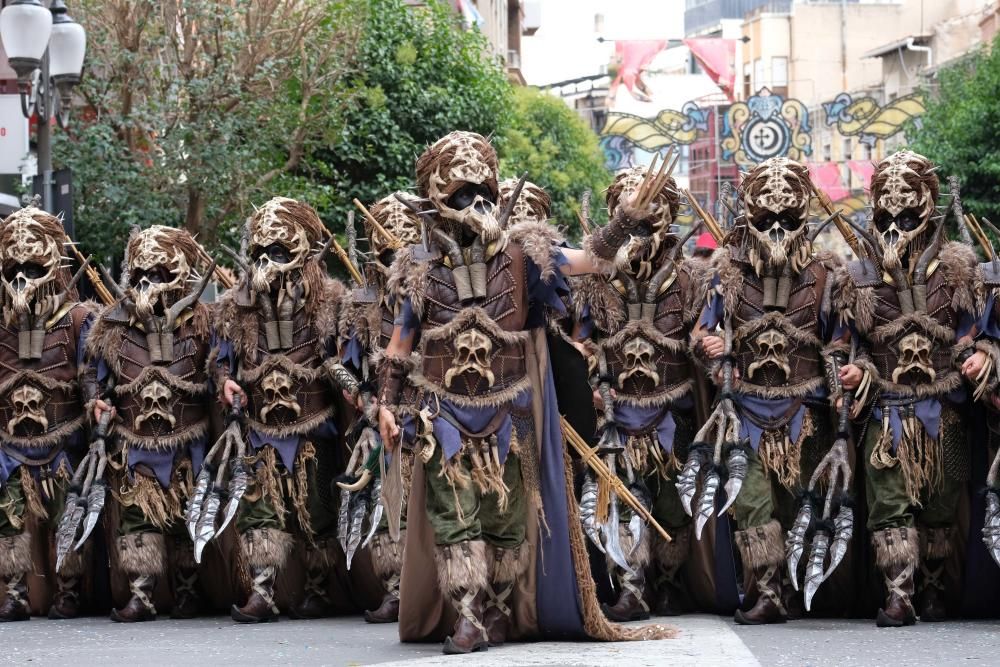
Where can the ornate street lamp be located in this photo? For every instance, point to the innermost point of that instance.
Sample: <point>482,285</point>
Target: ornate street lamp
<point>45,47</point>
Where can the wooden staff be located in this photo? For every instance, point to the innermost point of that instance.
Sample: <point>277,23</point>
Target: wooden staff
<point>710,222</point>
<point>95,278</point>
<point>977,230</point>
<point>220,277</point>
<point>342,255</point>
<point>592,458</point>
<point>842,226</point>
<point>390,239</point>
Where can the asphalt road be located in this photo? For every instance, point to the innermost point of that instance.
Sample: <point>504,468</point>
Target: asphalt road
<point>706,641</point>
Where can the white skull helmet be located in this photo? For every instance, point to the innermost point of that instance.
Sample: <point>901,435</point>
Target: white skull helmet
<point>663,209</point>
<point>158,266</point>
<point>532,205</point>
<point>904,190</point>
<point>31,254</point>
<point>280,238</point>
<point>397,219</point>
<point>458,174</point>
<point>776,196</point>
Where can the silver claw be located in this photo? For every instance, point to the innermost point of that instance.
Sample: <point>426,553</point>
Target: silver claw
<point>612,539</point>
<point>814,569</point>
<point>239,480</point>
<point>588,511</point>
<point>197,500</point>
<point>206,523</point>
<point>377,511</point>
<point>95,503</point>
<point>68,525</point>
<point>737,467</point>
<point>706,502</point>
<point>991,527</point>
<point>358,513</point>
<point>796,541</point>
<point>344,518</point>
<point>687,480</point>
<point>843,525</point>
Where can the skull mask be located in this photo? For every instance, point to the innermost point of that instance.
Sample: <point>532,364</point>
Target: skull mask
<point>458,173</point>
<point>664,208</point>
<point>776,198</point>
<point>158,265</point>
<point>531,206</point>
<point>472,353</point>
<point>31,243</point>
<point>904,189</point>
<point>281,234</point>
<point>395,218</point>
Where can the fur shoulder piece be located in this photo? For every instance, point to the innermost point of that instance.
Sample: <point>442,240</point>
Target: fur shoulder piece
<point>604,304</point>
<point>537,240</point>
<point>326,313</point>
<point>227,316</point>
<point>730,275</point>
<point>361,316</point>
<point>408,278</point>
<point>960,269</point>
<point>697,278</point>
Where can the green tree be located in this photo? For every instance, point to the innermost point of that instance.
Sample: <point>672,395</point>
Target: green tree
<point>959,130</point>
<point>559,151</point>
<point>419,76</point>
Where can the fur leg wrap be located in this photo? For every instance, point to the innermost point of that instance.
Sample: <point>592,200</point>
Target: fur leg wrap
<point>935,543</point>
<point>638,555</point>
<point>142,554</point>
<point>671,555</point>
<point>387,556</point>
<point>75,562</point>
<point>15,555</point>
<point>182,554</point>
<point>323,555</point>
<point>896,546</point>
<point>762,546</point>
<point>461,567</point>
<point>266,547</point>
<point>506,565</point>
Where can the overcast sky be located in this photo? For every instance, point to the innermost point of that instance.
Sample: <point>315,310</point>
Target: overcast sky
<point>566,46</point>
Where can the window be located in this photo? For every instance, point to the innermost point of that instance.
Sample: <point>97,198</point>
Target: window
<point>758,73</point>
<point>827,152</point>
<point>846,149</point>
<point>779,71</point>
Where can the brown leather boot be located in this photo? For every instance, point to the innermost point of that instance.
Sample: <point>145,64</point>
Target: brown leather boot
<point>631,604</point>
<point>496,618</point>
<point>187,601</point>
<point>66,601</point>
<point>469,634</point>
<point>15,606</point>
<point>140,606</point>
<point>315,603</point>
<point>260,607</point>
<point>763,551</point>
<point>769,607</point>
<point>388,610</point>
<point>896,554</point>
<point>795,606</point>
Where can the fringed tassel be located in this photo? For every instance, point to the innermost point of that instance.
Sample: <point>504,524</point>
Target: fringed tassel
<point>300,493</point>
<point>269,481</point>
<point>527,452</point>
<point>161,507</point>
<point>918,456</point>
<point>783,457</point>
<point>32,496</point>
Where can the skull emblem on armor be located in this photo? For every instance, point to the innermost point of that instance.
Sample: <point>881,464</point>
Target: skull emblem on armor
<point>29,405</point>
<point>770,347</point>
<point>914,355</point>
<point>472,353</point>
<point>639,361</point>
<point>277,388</point>
<point>156,400</point>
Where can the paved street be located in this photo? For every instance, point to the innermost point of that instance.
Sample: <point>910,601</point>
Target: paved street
<point>706,641</point>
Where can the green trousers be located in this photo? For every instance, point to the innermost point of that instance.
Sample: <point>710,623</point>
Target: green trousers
<point>462,512</point>
<point>763,498</point>
<point>889,506</point>
<point>14,505</point>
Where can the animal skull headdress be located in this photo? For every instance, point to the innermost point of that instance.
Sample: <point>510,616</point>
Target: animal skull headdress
<point>776,196</point>
<point>664,210</point>
<point>533,205</point>
<point>159,264</point>
<point>395,218</point>
<point>458,174</point>
<point>31,254</point>
<point>281,236</point>
<point>904,190</point>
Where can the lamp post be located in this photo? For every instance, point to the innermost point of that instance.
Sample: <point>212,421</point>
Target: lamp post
<point>45,47</point>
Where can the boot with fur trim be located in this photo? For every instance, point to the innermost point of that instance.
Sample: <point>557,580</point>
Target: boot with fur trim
<point>897,556</point>
<point>935,548</point>
<point>266,550</point>
<point>670,556</point>
<point>506,565</point>
<point>15,563</point>
<point>66,600</point>
<point>462,576</point>
<point>143,558</point>
<point>387,561</point>
<point>631,604</point>
<point>315,602</point>
<point>187,601</point>
<point>763,551</point>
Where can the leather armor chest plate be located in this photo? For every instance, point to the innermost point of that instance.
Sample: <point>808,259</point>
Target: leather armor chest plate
<point>776,349</point>
<point>40,396</point>
<point>914,350</point>
<point>647,358</point>
<point>477,350</point>
<point>287,390</point>
<point>165,402</point>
